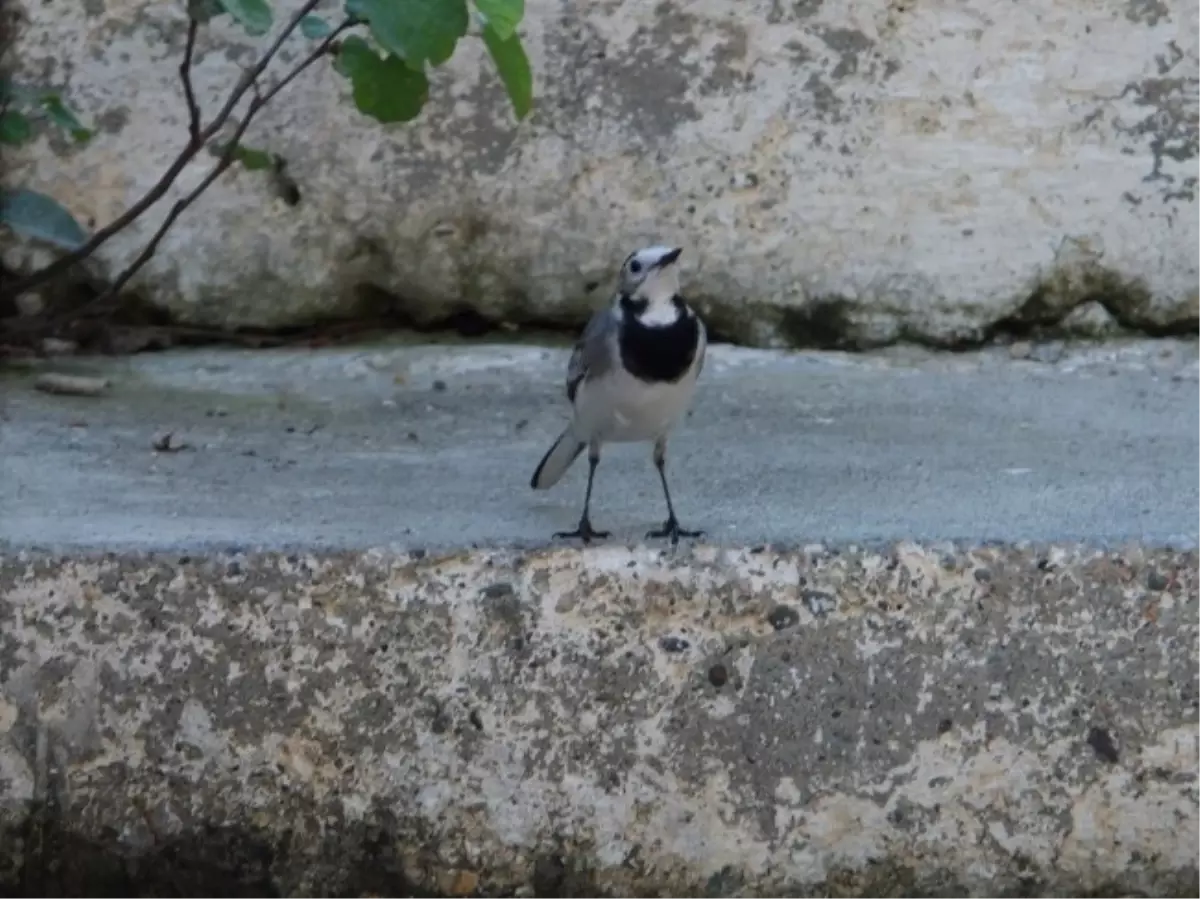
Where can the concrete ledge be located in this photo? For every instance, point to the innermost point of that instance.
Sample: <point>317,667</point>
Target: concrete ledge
<point>918,720</point>
<point>432,446</point>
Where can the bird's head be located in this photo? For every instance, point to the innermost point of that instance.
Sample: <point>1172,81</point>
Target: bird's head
<point>651,274</point>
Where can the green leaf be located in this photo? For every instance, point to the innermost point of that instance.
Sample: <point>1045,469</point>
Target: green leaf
<point>502,15</point>
<point>253,15</point>
<point>253,160</point>
<point>354,9</point>
<point>350,55</point>
<point>513,66</point>
<point>314,28</point>
<point>385,89</point>
<point>64,118</point>
<point>33,214</point>
<point>416,30</point>
<point>203,11</point>
<point>15,128</point>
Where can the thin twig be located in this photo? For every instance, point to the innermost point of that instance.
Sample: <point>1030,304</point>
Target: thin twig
<point>228,156</point>
<point>251,75</point>
<point>177,210</point>
<point>321,49</point>
<point>188,153</point>
<point>185,73</point>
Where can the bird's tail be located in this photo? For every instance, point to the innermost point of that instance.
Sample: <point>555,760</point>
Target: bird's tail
<point>558,459</point>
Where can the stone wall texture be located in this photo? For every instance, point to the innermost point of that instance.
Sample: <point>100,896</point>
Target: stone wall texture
<point>905,721</point>
<point>856,172</point>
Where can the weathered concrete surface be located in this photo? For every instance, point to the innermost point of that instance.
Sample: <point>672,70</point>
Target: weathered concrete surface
<point>829,697</point>
<point>433,446</point>
<point>856,173</point>
<point>920,721</point>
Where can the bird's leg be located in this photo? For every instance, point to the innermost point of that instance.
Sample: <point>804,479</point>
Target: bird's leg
<point>585,531</point>
<point>671,527</point>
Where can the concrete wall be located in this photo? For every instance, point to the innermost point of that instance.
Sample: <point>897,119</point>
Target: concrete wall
<point>839,172</point>
<point>924,720</point>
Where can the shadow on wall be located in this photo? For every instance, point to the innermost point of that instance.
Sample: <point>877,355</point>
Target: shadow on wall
<point>47,857</point>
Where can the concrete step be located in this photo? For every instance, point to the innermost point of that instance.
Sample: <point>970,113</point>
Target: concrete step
<point>942,641</point>
<point>433,447</point>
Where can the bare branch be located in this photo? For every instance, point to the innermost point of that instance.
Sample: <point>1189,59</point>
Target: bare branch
<point>188,153</point>
<point>226,160</point>
<point>185,74</point>
<point>177,210</point>
<point>320,50</point>
<point>253,73</point>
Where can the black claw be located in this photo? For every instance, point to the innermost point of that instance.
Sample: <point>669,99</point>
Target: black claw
<point>672,529</point>
<point>584,532</point>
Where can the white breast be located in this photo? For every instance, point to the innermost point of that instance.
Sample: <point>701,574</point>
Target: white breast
<point>619,408</point>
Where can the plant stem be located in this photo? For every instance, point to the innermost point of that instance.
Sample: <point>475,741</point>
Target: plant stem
<point>185,74</point>
<point>194,145</point>
<point>227,158</point>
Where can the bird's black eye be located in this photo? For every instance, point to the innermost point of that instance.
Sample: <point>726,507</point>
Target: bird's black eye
<point>635,266</point>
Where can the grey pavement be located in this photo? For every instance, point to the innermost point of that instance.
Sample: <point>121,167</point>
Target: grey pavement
<point>403,446</point>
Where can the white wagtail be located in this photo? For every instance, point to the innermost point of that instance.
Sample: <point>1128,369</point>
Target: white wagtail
<point>630,378</point>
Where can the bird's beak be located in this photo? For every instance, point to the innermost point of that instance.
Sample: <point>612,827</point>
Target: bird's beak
<point>669,258</point>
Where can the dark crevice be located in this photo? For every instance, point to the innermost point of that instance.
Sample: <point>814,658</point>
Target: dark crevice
<point>134,325</point>
<point>824,325</point>
<point>1041,317</point>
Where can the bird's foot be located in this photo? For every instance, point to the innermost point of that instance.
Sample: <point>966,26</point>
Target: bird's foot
<point>672,529</point>
<point>584,532</point>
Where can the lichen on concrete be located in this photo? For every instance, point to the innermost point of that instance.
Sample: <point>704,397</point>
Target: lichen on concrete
<point>910,719</point>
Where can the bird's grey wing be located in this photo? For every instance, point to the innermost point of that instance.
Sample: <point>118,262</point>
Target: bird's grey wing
<point>593,352</point>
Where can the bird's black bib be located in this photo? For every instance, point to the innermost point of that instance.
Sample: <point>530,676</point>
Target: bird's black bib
<point>657,354</point>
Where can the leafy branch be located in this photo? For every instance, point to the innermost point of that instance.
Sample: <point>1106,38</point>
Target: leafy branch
<point>193,146</point>
<point>386,70</point>
<point>228,156</point>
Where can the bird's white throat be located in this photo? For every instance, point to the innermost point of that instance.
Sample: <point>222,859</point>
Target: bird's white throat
<point>659,290</point>
<point>660,313</point>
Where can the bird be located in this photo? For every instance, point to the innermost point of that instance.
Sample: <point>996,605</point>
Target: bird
<point>630,378</point>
